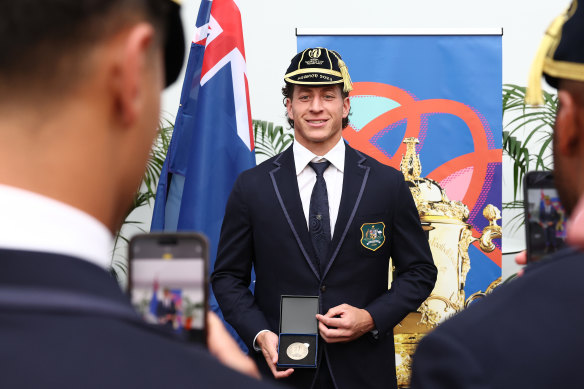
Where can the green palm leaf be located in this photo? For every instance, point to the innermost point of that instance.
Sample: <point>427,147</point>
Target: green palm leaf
<point>535,125</point>
<point>270,140</point>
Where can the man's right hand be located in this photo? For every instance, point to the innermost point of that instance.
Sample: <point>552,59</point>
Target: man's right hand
<point>268,342</point>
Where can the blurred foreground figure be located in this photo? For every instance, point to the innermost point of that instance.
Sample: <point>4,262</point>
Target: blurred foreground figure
<point>80,84</point>
<point>527,333</point>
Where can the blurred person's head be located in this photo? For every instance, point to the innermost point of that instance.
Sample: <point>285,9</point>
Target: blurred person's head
<point>80,84</point>
<point>561,60</point>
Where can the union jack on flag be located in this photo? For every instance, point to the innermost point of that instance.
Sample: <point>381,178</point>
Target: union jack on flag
<point>212,140</point>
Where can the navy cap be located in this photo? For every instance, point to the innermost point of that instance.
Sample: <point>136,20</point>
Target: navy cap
<point>317,67</point>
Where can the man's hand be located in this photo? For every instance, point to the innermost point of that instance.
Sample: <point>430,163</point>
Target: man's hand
<point>574,233</point>
<point>346,323</point>
<point>222,346</point>
<point>268,342</point>
<point>521,258</point>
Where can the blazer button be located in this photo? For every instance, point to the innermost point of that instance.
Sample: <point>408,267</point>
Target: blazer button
<point>323,288</point>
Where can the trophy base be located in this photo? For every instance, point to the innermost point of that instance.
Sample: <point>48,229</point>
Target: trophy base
<point>406,335</point>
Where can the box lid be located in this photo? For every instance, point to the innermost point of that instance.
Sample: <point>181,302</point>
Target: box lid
<point>298,314</point>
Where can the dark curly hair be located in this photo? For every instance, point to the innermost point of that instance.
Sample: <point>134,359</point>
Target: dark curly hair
<point>288,91</point>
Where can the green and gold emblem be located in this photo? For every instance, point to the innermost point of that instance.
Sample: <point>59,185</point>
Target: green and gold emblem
<point>373,235</point>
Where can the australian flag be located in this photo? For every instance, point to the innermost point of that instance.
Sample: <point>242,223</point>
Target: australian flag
<point>212,140</point>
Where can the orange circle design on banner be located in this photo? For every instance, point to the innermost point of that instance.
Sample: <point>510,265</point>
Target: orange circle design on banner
<point>411,110</point>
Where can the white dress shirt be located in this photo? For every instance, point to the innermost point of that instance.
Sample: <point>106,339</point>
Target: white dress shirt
<point>333,176</point>
<point>32,222</point>
<point>306,176</point>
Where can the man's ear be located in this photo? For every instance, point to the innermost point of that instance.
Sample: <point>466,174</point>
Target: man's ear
<point>130,71</point>
<point>289,108</point>
<point>346,107</point>
<point>568,120</point>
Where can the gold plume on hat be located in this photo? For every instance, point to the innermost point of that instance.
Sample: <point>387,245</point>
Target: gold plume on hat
<point>347,84</point>
<point>549,43</point>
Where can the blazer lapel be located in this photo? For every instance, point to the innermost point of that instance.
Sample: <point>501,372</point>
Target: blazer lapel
<point>354,181</point>
<point>286,187</point>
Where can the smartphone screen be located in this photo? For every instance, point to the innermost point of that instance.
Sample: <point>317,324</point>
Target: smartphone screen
<point>545,218</point>
<point>168,282</point>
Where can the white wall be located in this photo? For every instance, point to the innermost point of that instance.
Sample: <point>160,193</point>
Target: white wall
<point>270,42</point>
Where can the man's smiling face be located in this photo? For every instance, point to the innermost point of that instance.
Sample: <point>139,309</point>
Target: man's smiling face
<point>318,113</point>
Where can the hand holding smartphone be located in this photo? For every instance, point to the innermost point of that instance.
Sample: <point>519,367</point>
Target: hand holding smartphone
<point>545,218</point>
<point>168,282</point>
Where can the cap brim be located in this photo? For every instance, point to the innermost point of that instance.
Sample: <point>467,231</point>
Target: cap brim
<point>314,77</point>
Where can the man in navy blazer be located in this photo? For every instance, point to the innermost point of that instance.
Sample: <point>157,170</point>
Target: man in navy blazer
<point>270,224</point>
<point>527,334</point>
<point>80,84</point>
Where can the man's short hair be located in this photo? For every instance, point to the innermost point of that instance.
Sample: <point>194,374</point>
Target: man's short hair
<point>288,91</point>
<point>43,42</point>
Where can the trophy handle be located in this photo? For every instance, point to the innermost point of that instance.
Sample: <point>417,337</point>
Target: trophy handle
<point>492,231</point>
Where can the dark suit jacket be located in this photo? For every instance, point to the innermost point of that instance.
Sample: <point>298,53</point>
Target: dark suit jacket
<point>264,226</point>
<point>527,334</point>
<point>61,348</point>
<point>550,215</point>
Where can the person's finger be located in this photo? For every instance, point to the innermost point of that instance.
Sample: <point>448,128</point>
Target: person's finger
<point>575,226</point>
<point>269,359</point>
<point>273,352</point>
<point>222,346</point>
<point>322,329</point>
<point>331,321</point>
<point>521,258</point>
<point>333,335</point>
<point>282,374</point>
<point>335,311</point>
<point>273,367</point>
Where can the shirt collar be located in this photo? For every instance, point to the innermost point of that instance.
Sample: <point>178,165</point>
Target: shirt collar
<point>302,156</point>
<point>33,222</point>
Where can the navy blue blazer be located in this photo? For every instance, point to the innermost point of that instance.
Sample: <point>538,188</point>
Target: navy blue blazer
<point>265,226</point>
<point>47,347</point>
<point>526,334</point>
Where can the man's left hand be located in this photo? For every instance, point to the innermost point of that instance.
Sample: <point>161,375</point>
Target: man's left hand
<point>344,323</point>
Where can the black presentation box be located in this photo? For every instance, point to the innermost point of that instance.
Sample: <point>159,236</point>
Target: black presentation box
<point>298,344</point>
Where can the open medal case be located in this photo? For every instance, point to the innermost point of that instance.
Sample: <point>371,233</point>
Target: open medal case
<point>298,345</point>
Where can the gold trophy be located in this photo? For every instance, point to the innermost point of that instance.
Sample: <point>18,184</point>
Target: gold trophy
<point>450,237</point>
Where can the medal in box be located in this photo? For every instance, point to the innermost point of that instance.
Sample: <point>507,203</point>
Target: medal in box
<point>298,345</point>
